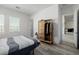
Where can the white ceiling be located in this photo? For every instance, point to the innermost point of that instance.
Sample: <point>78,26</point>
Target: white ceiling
<point>29,9</point>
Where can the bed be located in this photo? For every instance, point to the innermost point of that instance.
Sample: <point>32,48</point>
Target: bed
<point>18,45</point>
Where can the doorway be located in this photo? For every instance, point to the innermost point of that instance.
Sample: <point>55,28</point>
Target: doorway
<point>68,30</point>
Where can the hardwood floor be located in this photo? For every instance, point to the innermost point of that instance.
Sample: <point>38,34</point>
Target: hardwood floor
<point>62,49</point>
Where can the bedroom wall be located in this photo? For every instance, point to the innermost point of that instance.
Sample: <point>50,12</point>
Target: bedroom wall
<point>68,9</point>
<point>25,22</point>
<point>51,12</point>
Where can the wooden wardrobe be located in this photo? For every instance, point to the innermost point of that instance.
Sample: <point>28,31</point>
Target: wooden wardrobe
<point>45,31</point>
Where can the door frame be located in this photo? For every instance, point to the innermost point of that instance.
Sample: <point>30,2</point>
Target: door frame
<point>77,29</point>
<point>63,20</point>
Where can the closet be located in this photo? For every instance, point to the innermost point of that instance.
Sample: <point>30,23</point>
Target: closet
<point>45,31</point>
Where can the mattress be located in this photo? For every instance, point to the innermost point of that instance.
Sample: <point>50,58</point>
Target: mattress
<point>9,45</point>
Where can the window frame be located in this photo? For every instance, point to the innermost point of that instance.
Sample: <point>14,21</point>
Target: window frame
<point>16,26</point>
<point>2,25</point>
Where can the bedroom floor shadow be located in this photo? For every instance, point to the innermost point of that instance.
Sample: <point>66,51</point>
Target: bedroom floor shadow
<point>62,49</point>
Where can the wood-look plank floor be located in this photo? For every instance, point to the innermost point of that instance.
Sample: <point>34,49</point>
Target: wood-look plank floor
<point>62,49</point>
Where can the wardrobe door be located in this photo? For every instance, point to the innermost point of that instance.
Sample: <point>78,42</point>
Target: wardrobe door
<point>41,30</point>
<point>51,32</point>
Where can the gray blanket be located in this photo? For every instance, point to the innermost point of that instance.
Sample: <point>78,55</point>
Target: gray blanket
<point>13,46</point>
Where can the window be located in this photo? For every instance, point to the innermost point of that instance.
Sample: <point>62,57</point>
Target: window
<point>1,23</point>
<point>14,24</point>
